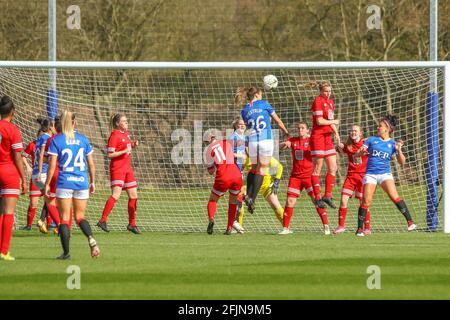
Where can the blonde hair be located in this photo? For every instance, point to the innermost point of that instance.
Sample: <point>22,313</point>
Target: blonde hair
<point>245,92</point>
<point>349,141</point>
<point>235,123</point>
<point>67,124</point>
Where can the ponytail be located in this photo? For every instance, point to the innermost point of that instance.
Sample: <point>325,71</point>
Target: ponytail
<point>45,124</point>
<point>114,121</point>
<point>245,92</point>
<point>67,124</point>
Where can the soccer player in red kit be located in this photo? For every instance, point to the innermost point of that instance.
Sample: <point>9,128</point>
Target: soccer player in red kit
<point>121,172</point>
<point>11,174</point>
<point>355,174</point>
<point>219,158</point>
<point>322,147</point>
<point>302,168</point>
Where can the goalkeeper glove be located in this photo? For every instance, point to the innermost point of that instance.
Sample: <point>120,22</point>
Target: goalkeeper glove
<point>275,186</point>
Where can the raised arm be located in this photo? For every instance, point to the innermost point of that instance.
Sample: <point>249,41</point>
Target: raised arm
<point>400,156</point>
<point>280,123</point>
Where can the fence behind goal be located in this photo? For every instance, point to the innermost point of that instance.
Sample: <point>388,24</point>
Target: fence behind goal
<point>170,109</point>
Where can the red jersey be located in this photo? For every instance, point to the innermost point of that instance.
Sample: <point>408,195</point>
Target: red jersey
<point>118,141</point>
<point>355,164</point>
<point>10,141</point>
<point>47,145</point>
<point>30,150</point>
<point>322,107</point>
<point>220,154</point>
<point>302,166</point>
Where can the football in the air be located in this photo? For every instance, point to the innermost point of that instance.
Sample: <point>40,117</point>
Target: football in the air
<point>270,82</point>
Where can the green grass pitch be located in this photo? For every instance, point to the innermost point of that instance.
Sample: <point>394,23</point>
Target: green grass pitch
<point>250,266</point>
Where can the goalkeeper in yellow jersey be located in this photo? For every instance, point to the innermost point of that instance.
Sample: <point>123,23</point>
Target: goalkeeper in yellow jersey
<point>269,189</point>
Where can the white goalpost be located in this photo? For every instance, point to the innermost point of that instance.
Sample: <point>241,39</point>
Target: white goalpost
<point>171,105</point>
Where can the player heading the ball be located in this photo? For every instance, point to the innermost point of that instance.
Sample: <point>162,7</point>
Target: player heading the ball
<point>256,115</point>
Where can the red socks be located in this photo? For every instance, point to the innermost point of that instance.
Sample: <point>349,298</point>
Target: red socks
<point>212,207</point>
<point>54,213</point>
<point>287,215</point>
<point>367,221</point>
<point>132,207</point>
<point>6,225</point>
<point>231,215</point>
<point>329,183</point>
<point>342,215</point>
<point>30,216</point>
<point>109,205</point>
<point>323,215</point>
<point>315,180</point>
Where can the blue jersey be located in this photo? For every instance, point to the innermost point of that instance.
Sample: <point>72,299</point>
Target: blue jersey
<point>380,154</point>
<point>72,163</point>
<point>238,143</point>
<point>41,141</point>
<point>257,118</point>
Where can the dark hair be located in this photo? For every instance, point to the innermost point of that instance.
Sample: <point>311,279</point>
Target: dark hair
<point>391,121</point>
<point>245,92</point>
<point>57,124</point>
<point>114,120</point>
<point>6,106</point>
<point>45,124</point>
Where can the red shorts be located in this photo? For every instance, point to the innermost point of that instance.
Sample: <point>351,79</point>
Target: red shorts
<point>296,185</point>
<point>34,191</point>
<point>123,179</point>
<point>9,181</point>
<point>322,145</point>
<point>233,185</point>
<point>353,182</point>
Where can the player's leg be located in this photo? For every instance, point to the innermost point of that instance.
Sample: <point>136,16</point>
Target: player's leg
<point>132,208</point>
<point>370,185</point>
<point>80,199</point>
<point>388,186</point>
<point>130,186</point>
<point>293,193</point>
<point>31,212</point>
<point>274,203</point>
<point>64,203</point>
<point>317,143</point>
<point>342,213</point>
<point>264,152</point>
<point>9,202</point>
<point>232,205</point>
<point>330,160</point>
<point>358,182</point>
<point>116,190</point>
<point>288,212</point>
<point>346,193</point>
<point>212,208</point>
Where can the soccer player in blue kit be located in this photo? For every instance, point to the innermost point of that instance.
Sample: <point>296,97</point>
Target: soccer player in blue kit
<point>257,115</point>
<point>380,150</point>
<point>72,153</point>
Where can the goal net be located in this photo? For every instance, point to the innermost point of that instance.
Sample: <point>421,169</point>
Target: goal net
<point>170,109</point>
